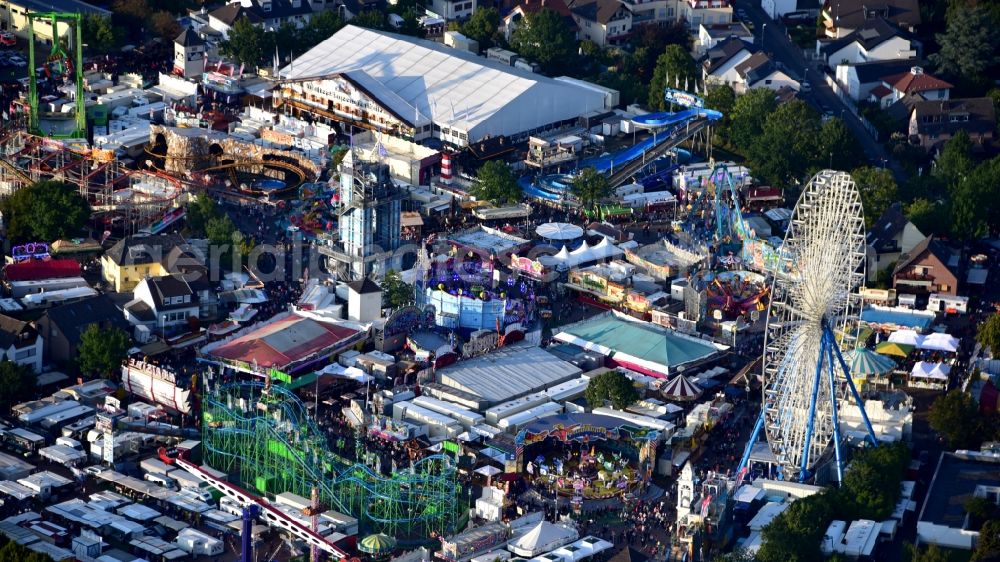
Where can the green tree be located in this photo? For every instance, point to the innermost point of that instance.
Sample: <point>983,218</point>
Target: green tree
<point>98,33</point>
<point>795,535</point>
<point>101,351</point>
<point>372,19</point>
<point>411,24</point>
<point>970,47</point>
<point>955,161</point>
<point>45,211</point>
<point>795,127</point>
<point>838,146</point>
<point>871,486</point>
<point>482,26</point>
<point>165,25</point>
<point>749,114</point>
<point>956,417</point>
<point>131,14</point>
<point>928,217</point>
<point>18,384</point>
<point>878,191</point>
<point>933,553</point>
<point>495,183</point>
<point>545,37</point>
<point>988,334</point>
<point>396,293</point>
<point>246,43</point>
<point>974,205</point>
<point>198,213</point>
<point>590,186</point>
<point>674,67</point>
<point>613,387</point>
<point>988,547</point>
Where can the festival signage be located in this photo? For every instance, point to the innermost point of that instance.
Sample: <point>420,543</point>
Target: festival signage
<point>31,250</point>
<point>526,265</point>
<point>637,302</point>
<point>589,280</point>
<point>683,98</point>
<point>615,292</point>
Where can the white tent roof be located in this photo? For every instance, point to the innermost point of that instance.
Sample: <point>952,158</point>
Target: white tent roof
<point>680,388</point>
<point>543,537</point>
<point>925,370</point>
<point>939,342</point>
<point>424,81</point>
<point>909,337</point>
<point>559,231</point>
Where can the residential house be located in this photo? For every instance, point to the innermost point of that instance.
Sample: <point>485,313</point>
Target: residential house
<point>843,17</point>
<point>930,267</point>
<point>661,12</point>
<point>891,236</point>
<point>20,343</point>
<point>877,40</point>
<point>709,12</point>
<point>759,71</point>
<point>14,17</point>
<point>348,9</point>
<point>858,79</point>
<point>709,36</point>
<point>62,326</point>
<point>268,14</point>
<point>165,303</point>
<point>776,9</point>
<point>913,83</point>
<point>719,66</point>
<point>932,123</point>
<point>522,9</point>
<point>134,258</point>
<point>452,10</point>
<point>604,22</point>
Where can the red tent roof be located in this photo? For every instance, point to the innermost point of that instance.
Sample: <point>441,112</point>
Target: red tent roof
<point>42,269</point>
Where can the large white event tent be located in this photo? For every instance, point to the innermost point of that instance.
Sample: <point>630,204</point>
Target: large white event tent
<point>925,370</point>
<point>939,342</point>
<point>584,254</point>
<point>907,337</point>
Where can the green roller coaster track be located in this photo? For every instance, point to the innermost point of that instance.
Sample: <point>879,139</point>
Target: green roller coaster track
<point>264,438</point>
<point>75,38</point>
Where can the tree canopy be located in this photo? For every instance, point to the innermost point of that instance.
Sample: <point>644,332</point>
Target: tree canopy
<point>482,26</point>
<point>495,183</point>
<point>99,35</point>
<point>674,67</point>
<point>101,351</point>
<point>590,186</point>
<point>749,114</point>
<point>988,334</point>
<point>545,37</point>
<point>970,47</point>
<point>18,384</point>
<point>988,547</point>
<point>198,213</point>
<point>787,146</point>
<point>396,293</point>
<point>613,387</point>
<point>45,211</point>
<point>956,417</point>
<point>245,43</point>
<point>878,191</point>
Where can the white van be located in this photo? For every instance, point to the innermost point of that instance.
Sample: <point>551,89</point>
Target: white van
<point>162,480</point>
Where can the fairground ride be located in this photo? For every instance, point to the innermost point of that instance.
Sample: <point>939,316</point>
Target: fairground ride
<point>262,436</point>
<point>60,65</point>
<point>813,316</point>
<point>122,199</point>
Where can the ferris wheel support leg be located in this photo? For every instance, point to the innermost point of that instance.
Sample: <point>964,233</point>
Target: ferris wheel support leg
<point>836,418</point>
<point>754,435</point>
<point>807,442</point>
<point>854,390</point>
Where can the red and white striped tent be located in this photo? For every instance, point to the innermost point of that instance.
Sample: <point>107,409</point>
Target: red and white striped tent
<point>681,389</point>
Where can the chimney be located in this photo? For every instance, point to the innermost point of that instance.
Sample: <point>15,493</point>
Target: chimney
<point>916,70</point>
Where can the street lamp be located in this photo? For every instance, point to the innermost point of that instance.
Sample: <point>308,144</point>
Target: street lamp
<point>763,32</point>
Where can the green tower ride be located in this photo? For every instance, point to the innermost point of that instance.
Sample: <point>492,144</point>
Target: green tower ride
<point>58,56</point>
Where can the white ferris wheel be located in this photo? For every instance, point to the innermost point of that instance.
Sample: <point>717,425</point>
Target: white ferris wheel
<point>812,317</point>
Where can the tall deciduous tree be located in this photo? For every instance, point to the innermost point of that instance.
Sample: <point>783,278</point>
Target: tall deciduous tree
<point>838,146</point>
<point>482,26</point>
<point>613,387</point>
<point>495,183</point>
<point>101,351</point>
<point>674,67</point>
<point>396,293</point>
<point>98,33</point>
<point>988,334</point>
<point>372,19</point>
<point>749,114</point>
<point>545,37</point>
<point>970,47</point>
<point>988,547</point>
<point>878,191</point>
<point>18,383</point>
<point>974,204</point>
<point>165,25</point>
<point>956,417</point>
<point>45,211</point>
<point>929,217</point>
<point>788,146</point>
<point>246,43</point>
<point>590,186</point>
<point>955,161</point>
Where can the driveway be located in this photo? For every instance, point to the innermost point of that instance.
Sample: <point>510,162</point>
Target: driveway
<point>773,36</point>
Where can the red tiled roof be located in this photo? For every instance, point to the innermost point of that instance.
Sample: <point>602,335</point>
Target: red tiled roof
<point>880,91</point>
<point>908,82</point>
<point>42,269</point>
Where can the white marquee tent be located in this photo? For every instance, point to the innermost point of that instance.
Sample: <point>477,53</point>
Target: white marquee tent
<point>939,342</point>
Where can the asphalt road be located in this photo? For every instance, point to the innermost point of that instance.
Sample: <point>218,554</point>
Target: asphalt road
<point>772,35</point>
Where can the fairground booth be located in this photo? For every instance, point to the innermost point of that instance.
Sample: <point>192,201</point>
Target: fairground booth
<point>587,456</point>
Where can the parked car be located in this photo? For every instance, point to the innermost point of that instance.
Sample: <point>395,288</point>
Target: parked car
<point>8,39</point>
<point>805,86</point>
